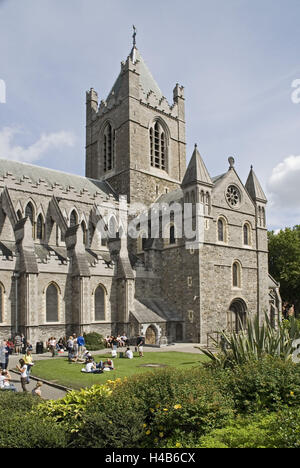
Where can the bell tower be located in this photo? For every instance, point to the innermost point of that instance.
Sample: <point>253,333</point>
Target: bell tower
<point>135,139</point>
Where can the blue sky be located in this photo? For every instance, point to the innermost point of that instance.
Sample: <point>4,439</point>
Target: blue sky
<point>236,58</point>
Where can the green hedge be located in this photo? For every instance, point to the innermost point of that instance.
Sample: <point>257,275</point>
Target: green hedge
<point>267,384</point>
<point>94,341</point>
<point>146,410</point>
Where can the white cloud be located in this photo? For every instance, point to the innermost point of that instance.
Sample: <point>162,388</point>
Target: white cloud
<point>33,152</point>
<point>284,182</point>
<point>284,193</point>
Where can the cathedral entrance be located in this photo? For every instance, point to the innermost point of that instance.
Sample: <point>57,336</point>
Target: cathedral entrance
<point>179,332</point>
<point>151,336</point>
<point>236,316</point>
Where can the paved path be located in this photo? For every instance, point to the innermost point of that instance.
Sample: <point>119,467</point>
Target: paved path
<point>53,393</point>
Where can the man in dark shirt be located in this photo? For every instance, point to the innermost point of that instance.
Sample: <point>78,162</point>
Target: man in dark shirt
<point>140,344</point>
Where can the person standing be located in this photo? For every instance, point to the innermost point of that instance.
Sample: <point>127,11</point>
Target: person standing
<point>18,343</point>
<point>27,358</point>
<point>70,348</point>
<point>22,368</point>
<point>3,352</point>
<point>81,344</point>
<point>140,345</point>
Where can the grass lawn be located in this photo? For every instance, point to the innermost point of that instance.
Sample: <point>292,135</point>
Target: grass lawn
<point>69,374</point>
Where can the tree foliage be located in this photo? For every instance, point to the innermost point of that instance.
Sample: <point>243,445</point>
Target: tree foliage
<point>284,262</point>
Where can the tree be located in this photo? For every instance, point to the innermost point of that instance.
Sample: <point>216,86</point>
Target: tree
<point>284,263</point>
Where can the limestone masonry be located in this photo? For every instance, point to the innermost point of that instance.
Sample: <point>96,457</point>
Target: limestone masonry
<point>60,274</point>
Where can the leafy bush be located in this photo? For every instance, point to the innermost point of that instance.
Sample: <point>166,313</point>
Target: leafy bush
<point>69,411</point>
<point>94,341</point>
<point>17,402</point>
<point>276,430</point>
<point>23,429</point>
<point>29,431</point>
<point>146,410</point>
<point>258,385</point>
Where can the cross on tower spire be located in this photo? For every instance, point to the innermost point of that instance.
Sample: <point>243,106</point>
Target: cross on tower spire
<point>134,35</point>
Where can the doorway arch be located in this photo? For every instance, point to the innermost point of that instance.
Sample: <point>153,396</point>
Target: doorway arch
<point>237,316</point>
<point>151,335</point>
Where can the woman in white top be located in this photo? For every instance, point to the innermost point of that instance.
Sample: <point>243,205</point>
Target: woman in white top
<point>5,384</point>
<point>90,367</point>
<point>22,368</point>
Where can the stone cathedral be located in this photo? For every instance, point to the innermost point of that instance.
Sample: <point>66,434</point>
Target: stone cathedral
<point>59,274</point>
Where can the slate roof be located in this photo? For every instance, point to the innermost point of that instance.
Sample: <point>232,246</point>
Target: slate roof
<point>147,81</point>
<point>254,188</point>
<point>53,177</point>
<point>154,310</point>
<point>196,171</point>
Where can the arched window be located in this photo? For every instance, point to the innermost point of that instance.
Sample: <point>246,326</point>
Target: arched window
<point>246,234</point>
<point>141,242</point>
<point>108,148</point>
<point>172,235</point>
<point>100,305</point>
<point>73,219</point>
<point>221,230</point>
<point>1,303</point>
<point>158,146</point>
<point>84,232</point>
<point>19,214</point>
<point>40,227</point>
<point>236,275</point>
<point>52,303</point>
<point>29,213</point>
<point>263,217</point>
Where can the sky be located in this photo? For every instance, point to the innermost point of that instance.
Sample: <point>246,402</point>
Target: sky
<point>239,61</point>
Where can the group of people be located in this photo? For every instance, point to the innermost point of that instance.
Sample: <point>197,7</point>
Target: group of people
<point>24,367</point>
<point>75,345</point>
<point>115,342</point>
<point>91,367</point>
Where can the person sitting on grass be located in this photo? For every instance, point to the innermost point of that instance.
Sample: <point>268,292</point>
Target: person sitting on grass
<point>91,368</point>
<point>5,379</point>
<point>129,354</point>
<point>108,365</point>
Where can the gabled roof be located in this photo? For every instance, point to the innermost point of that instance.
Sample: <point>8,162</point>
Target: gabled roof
<point>254,188</point>
<point>147,82</point>
<point>196,171</point>
<point>52,177</point>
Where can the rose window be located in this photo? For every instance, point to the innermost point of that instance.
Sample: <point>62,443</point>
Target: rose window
<point>233,196</point>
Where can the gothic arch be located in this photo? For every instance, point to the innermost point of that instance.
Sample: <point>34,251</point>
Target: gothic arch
<point>73,217</point>
<point>236,274</point>
<point>2,303</point>
<point>52,302</point>
<point>159,138</point>
<point>237,315</point>
<point>222,229</point>
<point>106,148</point>
<point>100,303</point>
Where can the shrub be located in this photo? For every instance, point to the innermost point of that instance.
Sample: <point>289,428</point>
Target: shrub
<point>276,430</point>
<point>257,385</point>
<point>147,410</point>
<point>29,431</point>
<point>256,341</point>
<point>69,411</point>
<point>17,402</point>
<point>94,341</point>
